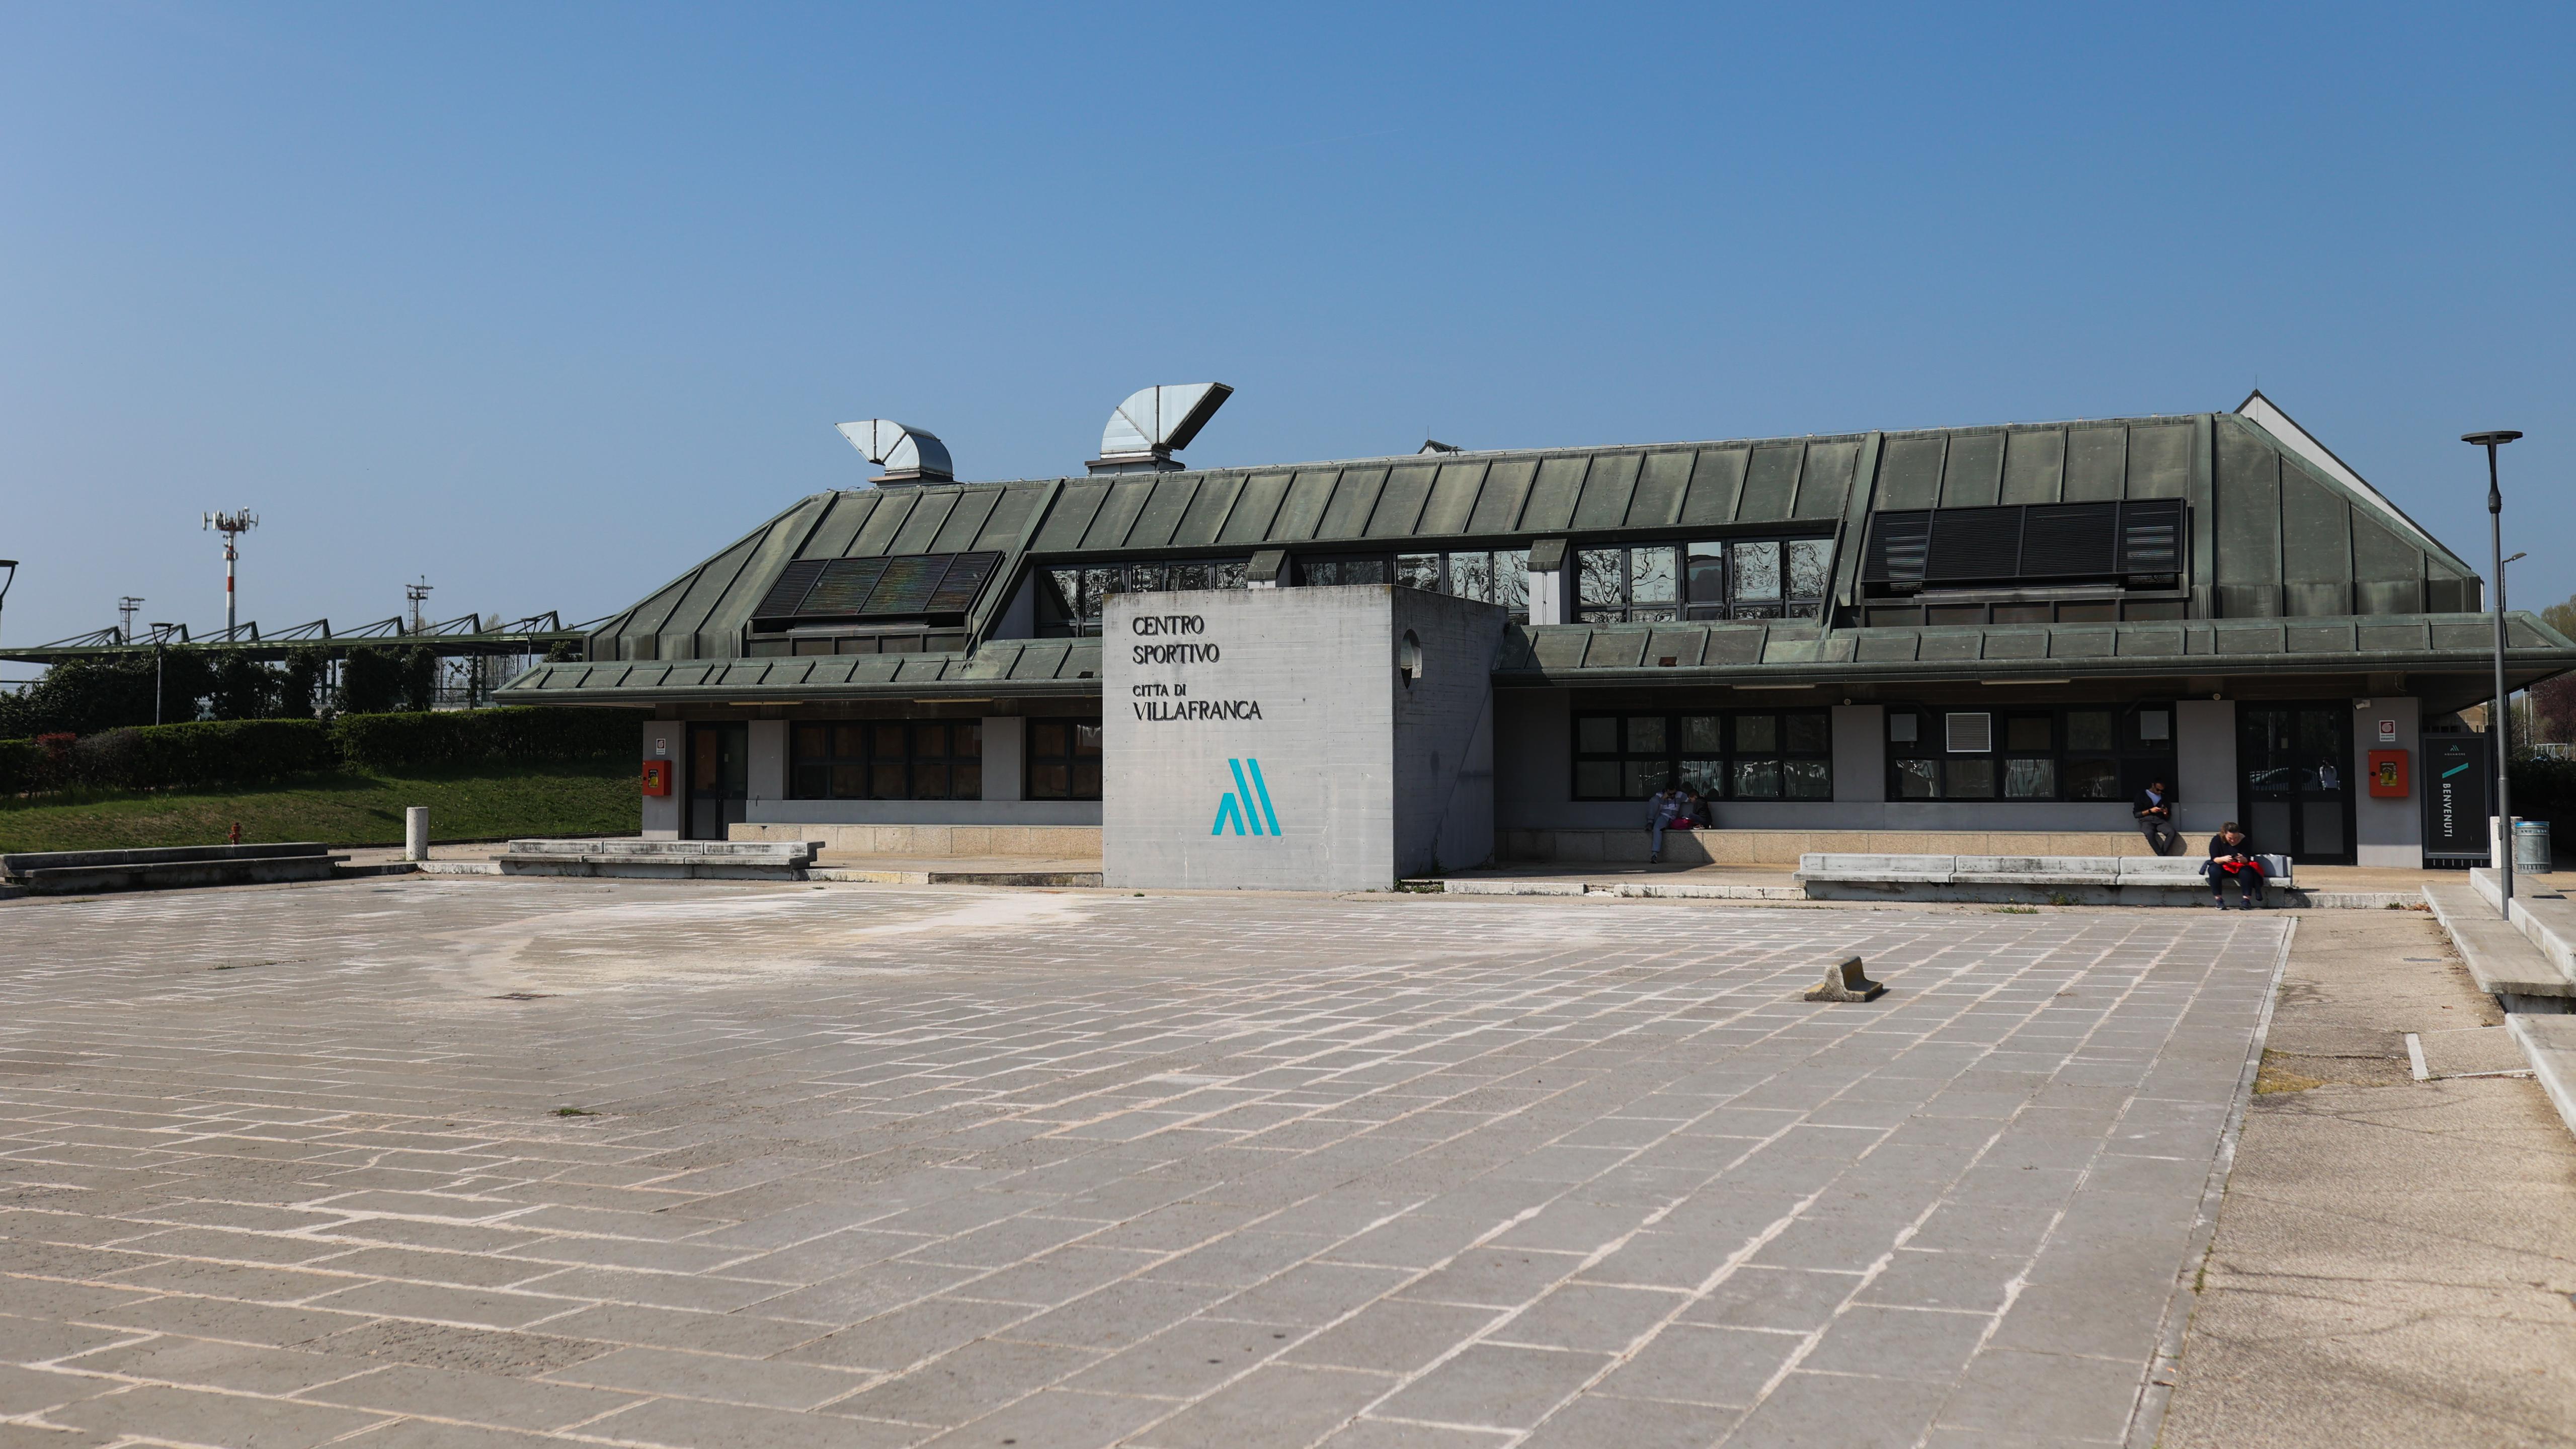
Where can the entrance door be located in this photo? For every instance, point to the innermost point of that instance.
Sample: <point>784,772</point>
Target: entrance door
<point>719,778</point>
<point>2296,796</point>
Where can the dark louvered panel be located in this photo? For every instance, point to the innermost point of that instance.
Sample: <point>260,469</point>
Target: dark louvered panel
<point>1897,542</point>
<point>844,588</point>
<point>789,592</point>
<point>1974,544</point>
<point>963,581</point>
<point>906,584</point>
<point>2069,540</point>
<point>2151,536</point>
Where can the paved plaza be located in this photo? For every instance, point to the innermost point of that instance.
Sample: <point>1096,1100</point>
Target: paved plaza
<point>507,1162</point>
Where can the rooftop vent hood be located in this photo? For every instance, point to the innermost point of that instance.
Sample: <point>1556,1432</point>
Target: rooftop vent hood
<point>1158,421</point>
<point>909,454</point>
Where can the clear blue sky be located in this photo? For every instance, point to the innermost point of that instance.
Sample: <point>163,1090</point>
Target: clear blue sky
<point>547,302</point>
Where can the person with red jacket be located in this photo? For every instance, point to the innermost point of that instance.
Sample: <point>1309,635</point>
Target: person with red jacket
<point>2231,857</point>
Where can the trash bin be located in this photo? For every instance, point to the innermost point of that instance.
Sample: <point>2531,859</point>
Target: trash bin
<point>2531,847</point>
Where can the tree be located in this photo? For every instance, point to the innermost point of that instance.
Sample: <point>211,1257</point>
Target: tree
<point>2561,617</point>
<point>299,683</point>
<point>420,678</point>
<point>371,681</point>
<point>244,688</point>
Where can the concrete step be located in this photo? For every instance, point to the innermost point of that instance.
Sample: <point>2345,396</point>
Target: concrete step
<point>2549,1044</point>
<point>2505,964</point>
<point>2541,912</point>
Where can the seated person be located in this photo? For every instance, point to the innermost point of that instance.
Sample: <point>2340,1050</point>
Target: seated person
<point>2231,857</point>
<point>2154,811</point>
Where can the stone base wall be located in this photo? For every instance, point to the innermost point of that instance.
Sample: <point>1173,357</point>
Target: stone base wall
<point>938,842</point>
<point>1783,847</point>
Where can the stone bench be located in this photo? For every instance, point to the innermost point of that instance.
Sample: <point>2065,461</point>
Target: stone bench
<point>64,872</point>
<point>2094,880</point>
<point>662,859</point>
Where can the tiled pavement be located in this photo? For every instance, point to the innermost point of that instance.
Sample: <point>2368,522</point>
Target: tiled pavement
<point>885,1167</point>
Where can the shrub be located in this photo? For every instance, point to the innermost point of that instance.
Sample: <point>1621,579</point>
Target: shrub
<point>460,737</point>
<point>23,767</point>
<point>2544,787</point>
<point>209,752</point>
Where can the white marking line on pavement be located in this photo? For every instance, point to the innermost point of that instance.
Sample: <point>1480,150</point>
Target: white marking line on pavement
<point>2415,1058</point>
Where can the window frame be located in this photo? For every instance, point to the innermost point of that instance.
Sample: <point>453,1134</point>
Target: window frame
<point>1731,603</point>
<point>1081,613</point>
<point>865,764</point>
<point>1074,760</point>
<point>1953,775</point>
<point>1701,757</point>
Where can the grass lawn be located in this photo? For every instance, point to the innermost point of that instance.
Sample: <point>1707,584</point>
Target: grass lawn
<point>567,797</point>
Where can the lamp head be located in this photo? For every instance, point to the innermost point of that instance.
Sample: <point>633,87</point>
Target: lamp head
<point>2490,440</point>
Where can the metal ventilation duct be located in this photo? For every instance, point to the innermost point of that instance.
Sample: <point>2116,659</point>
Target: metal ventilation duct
<point>909,454</point>
<point>1154,423</point>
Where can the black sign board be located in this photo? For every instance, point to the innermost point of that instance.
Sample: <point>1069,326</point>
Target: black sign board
<point>2459,785</point>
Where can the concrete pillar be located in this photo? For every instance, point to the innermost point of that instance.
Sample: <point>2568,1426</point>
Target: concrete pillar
<point>768,760</point>
<point>416,832</point>
<point>1860,753</point>
<point>1005,755</point>
<point>2205,758</point>
<point>2387,831</point>
<point>1547,596</point>
<point>664,739</point>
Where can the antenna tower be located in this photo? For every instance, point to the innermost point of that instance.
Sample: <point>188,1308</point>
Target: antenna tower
<point>125,606</point>
<point>232,526</point>
<point>417,595</point>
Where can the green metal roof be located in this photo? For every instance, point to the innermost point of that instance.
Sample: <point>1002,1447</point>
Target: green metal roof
<point>2273,537</point>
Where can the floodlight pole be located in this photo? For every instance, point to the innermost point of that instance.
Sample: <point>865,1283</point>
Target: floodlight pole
<point>2500,730</point>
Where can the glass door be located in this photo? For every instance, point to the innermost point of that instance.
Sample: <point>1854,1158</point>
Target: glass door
<point>719,778</point>
<point>2294,762</point>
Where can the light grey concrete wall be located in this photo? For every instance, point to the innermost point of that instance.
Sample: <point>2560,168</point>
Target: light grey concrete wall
<point>922,812</point>
<point>1019,617</point>
<point>1294,685</point>
<point>768,762</point>
<point>1005,754</point>
<point>2387,832</point>
<point>666,740</point>
<point>1444,732</point>
<point>1860,754</point>
<point>2205,756</point>
<point>1302,683</point>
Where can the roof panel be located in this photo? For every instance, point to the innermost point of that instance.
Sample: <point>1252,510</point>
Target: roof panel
<point>875,536</point>
<point>966,521</point>
<point>1717,484</point>
<point>2160,461</point>
<point>1399,503</point>
<point>1662,479</point>
<point>1770,483</point>
<point>1348,514</point>
<point>2034,465</point>
<point>1303,508</point>
<point>1163,511</point>
<point>1552,497</point>
<point>1453,498</point>
<point>1208,507</point>
<point>1909,471</point>
<point>831,538</point>
<point>1615,649</point>
<point>1972,476</point>
<point>1116,519</point>
<point>1256,509</point>
<point>928,513</point>
<point>1011,516</point>
<point>1505,494</point>
<point>1607,489</point>
<point>2097,464</point>
<point>1824,484</point>
<point>1075,504</point>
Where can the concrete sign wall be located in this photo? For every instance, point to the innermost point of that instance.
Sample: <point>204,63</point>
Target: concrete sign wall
<point>1298,739</point>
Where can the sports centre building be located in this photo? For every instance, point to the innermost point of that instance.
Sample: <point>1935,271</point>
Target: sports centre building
<point>1980,639</point>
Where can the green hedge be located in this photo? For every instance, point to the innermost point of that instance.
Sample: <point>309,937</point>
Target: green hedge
<point>464,737</point>
<point>242,752</point>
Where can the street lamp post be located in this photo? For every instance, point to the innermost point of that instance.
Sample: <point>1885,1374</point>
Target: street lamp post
<point>2501,729</point>
<point>11,565</point>
<point>160,633</point>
